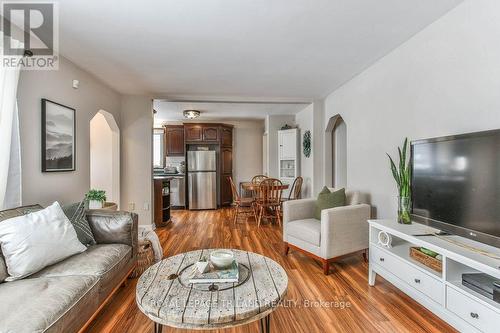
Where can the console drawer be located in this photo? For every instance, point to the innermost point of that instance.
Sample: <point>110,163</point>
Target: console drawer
<point>383,259</point>
<point>473,312</point>
<point>429,286</point>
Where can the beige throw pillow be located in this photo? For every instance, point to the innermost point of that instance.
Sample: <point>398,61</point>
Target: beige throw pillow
<point>34,241</point>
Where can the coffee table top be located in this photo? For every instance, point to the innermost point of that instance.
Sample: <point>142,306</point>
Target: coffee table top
<point>164,295</point>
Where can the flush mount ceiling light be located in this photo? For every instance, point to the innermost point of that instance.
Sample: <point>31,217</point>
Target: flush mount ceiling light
<point>191,114</point>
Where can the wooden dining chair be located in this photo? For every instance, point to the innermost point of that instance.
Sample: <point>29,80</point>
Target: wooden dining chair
<point>240,204</point>
<point>256,180</point>
<point>269,200</point>
<point>296,189</point>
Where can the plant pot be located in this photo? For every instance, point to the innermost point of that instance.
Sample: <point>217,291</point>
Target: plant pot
<point>95,204</point>
<point>404,210</point>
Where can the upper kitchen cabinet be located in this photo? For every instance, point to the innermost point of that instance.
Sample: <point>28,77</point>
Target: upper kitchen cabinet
<point>193,132</point>
<point>288,155</point>
<point>226,133</point>
<point>201,133</point>
<point>288,140</point>
<point>174,140</point>
<point>210,133</point>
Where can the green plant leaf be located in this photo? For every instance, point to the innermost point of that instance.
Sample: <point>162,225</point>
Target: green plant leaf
<point>395,172</point>
<point>405,146</point>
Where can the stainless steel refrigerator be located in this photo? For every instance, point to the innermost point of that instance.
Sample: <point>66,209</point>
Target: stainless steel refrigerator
<point>202,179</point>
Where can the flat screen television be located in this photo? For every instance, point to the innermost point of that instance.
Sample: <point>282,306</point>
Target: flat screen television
<point>456,184</point>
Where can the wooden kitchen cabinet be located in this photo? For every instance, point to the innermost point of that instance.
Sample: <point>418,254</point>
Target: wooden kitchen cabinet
<point>226,169</point>
<point>210,133</point>
<point>226,195</point>
<point>174,140</point>
<point>161,210</point>
<point>226,136</point>
<point>193,133</point>
<point>226,160</point>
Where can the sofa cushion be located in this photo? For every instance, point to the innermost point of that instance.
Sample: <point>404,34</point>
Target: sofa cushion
<point>108,262</point>
<point>14,212</point>
<point>35,304</point>
<point>97,260</point>
<point>307,230</point>
<point>8,214</point>
<point>76,215</point>
<point>34,241</point>
<point>327,199</point>
<point>351,197</point>
<point>3,268</point>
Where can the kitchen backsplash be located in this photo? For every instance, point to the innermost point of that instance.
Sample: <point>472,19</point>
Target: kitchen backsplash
<point>174,160</point>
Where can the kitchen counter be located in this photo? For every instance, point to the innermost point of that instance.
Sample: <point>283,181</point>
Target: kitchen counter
<point>167,175</point>
<point>177,187</point>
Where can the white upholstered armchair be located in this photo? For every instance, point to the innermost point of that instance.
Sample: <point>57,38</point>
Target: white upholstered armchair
<point>341,231</point>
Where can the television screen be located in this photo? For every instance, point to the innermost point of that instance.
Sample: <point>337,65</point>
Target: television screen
<point>456,184</point>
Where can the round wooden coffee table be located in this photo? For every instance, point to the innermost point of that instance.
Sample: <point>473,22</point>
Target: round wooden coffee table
<point>164,295</point>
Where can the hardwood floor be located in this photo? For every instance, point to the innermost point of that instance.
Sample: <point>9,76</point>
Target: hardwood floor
<point>360,308</point>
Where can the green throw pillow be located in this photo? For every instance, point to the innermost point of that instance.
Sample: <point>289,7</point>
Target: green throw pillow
<point>327,199</point>
<point>76,215</point>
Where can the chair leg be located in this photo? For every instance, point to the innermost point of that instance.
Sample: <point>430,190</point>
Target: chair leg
<point>287,249</point>
<point>236,211</point>
<point>326,267</point>
<point>278,213</point>
<point>260,216</point>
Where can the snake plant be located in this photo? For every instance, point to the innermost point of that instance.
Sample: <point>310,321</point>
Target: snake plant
<point>402,173</point>
<point>402,176</point>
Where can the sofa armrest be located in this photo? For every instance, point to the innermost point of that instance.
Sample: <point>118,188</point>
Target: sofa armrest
<point>294,210</point>
<point>111,227</point>
<point>344,230</point>
<point>298,209</point>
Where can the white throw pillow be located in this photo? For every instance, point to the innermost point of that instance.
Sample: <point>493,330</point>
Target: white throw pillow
<point>36,240</point>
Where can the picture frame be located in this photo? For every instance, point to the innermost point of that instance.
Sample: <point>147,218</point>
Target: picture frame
<point>58,137</point>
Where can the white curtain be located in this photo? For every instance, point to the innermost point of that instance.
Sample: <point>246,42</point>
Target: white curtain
<point>10,157</point>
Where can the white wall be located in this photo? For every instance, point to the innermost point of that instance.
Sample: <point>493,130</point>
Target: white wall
<point>93,95</point>
<point>444,80</point>
<point>137,149</point>
<point>247,149</point>
<point>340,141</point>
<point>105,156</point>
<point>101,155</point>
<point>304,121</point>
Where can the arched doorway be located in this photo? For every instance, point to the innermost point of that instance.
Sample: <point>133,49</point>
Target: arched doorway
<point>336,152</point>
<point>105,155</point>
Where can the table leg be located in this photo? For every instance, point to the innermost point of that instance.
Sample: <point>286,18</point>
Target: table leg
<point>265,324</point>
<point>158,328</point>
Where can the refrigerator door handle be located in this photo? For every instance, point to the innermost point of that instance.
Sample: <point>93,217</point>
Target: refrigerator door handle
<point>191,189</point>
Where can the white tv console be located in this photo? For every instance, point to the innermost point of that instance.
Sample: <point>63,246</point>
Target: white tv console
<point>441,293</point>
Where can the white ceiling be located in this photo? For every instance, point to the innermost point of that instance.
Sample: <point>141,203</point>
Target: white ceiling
<point>172,111</point>
<point>284,49</point>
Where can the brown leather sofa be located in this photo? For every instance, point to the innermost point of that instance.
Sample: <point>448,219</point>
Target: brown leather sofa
<point>66,296</point>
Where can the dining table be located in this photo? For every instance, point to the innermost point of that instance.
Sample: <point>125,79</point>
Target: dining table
<point>249,186</point>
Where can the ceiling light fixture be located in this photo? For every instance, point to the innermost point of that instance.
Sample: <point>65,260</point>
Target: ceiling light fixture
<point>191,114</point>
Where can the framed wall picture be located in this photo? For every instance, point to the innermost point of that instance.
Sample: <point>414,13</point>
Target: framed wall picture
<point>58,137</point>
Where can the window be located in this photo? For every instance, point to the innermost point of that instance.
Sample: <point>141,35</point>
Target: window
<point>158,148</point>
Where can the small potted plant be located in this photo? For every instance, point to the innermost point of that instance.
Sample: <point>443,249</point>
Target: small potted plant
<point>402,176</point>
<point>96,198</point>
